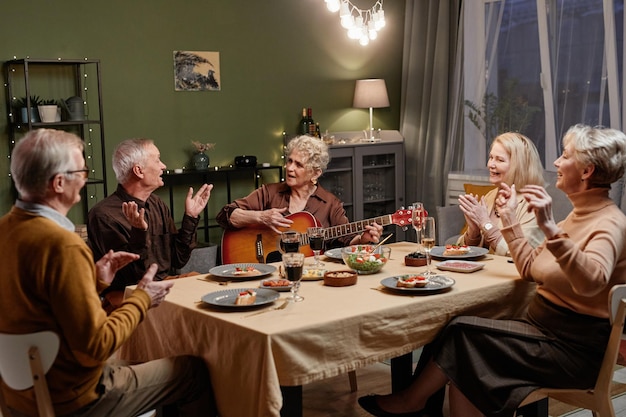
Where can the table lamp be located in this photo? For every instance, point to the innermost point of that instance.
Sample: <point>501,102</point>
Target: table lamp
<point>370,93</point>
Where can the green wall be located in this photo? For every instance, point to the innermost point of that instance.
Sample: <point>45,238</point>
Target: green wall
<point>276,57</point>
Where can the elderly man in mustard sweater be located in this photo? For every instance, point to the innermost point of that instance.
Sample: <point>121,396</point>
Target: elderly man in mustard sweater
<point>50,283</point>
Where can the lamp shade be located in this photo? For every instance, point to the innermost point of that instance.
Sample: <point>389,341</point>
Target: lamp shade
<point>370,93</point>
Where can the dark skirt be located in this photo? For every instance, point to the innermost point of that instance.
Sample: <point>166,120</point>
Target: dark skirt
<point>497,363</point>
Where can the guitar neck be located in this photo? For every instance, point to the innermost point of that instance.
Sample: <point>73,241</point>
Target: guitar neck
<point>355,227</point>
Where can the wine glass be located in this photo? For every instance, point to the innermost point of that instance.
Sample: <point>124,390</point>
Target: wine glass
<point>290,241</point>
<point>428,239</point>
<point>316,241</point>
<point>293,264</point>
<point>417,217</point>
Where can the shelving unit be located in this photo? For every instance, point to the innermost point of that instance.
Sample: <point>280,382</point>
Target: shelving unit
<point>59,79</point>
<point>367,176</point>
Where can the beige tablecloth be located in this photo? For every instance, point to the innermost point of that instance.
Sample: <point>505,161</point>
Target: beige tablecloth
<point>333,331</point>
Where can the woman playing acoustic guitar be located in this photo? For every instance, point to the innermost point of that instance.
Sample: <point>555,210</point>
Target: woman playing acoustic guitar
<point>297,203</point>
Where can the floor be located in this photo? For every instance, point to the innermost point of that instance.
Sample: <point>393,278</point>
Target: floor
<point>332,397</point>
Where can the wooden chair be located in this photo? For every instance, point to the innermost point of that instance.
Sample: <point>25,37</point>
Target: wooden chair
<point>24,361</point>
<point>598,398</point>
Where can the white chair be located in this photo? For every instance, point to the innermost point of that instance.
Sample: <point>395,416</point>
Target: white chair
<point>24,361</point>
<point>598,398</point>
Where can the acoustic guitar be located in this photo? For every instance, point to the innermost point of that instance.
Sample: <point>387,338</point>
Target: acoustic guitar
<point>253,244</point>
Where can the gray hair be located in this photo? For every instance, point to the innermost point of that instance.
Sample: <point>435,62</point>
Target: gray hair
<point>604,148</point>
<point>127,154</point>
<point>314,149</point>
<point>38,157</point>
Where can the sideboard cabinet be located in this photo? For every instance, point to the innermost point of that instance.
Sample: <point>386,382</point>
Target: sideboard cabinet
<point>367,176</point>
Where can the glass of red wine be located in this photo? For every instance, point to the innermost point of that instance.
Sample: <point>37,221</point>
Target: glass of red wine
<point>293,264</point>
<point>316,242</point>
<point>290,241</point>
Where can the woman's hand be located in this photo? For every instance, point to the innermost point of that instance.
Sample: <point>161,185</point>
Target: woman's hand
<point>372,234</point>
<point>474,210</point>
<point>275,219</point>
<point>540,202</point>
<point>135,217</point>
<point>111,262</point>
<point>506,200</point>
<point>194,205</point>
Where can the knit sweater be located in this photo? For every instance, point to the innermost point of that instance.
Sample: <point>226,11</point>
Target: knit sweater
<point>49,283</point>
<point>577,272</point>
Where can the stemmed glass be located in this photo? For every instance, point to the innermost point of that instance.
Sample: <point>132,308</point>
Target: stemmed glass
<point>428,239</point>
<point>316,241</point>
<point>290,241</point>
<point>294,263</point>
<point>417,217</point>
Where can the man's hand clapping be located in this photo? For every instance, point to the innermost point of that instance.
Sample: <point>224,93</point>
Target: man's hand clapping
<point>157,290</point>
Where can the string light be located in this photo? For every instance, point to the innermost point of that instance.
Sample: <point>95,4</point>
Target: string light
<point>360,24</point>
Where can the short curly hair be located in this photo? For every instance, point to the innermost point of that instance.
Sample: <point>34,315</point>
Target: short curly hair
<point>315,151</point>
<point>604,148</point>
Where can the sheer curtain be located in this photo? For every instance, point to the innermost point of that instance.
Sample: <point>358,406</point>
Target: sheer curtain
<point>432,98</point>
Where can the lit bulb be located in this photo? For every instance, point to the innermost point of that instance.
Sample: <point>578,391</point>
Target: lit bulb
<point>371,28</point>
<point>381,20</point>
<point>333,5</point>
<point>364,40</point>
<point>344,10</point>
<point>347,22</point>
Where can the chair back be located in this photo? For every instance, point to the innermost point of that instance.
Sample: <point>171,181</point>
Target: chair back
<point>617,307</point>
<point>24,361</point>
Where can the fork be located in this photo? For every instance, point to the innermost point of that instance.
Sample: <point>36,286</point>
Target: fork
<point>280,307</point>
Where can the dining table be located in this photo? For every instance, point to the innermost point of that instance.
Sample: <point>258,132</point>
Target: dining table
<point>259,362</point>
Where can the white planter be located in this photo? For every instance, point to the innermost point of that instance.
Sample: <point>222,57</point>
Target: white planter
<point>48,113</point>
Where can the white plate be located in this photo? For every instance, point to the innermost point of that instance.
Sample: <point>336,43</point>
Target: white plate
<point>435,283</point>
<point>275,288</point>
<point>474,253</point>
<point>228,271</point>
<point>460,265</point>
<point>226,298</point>
<point>334,253</point>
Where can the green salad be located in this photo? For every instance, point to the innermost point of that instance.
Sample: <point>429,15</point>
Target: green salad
<point>362,260</point>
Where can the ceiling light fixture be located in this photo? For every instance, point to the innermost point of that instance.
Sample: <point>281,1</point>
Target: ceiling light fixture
<point>360,24</point>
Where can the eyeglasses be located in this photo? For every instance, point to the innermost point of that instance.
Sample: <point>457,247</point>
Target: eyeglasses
<point>84,171</point>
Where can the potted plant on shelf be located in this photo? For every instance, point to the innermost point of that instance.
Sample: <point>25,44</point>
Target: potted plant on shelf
<point>200,159</point>
<point>22,105</point>
<point>48,111</point>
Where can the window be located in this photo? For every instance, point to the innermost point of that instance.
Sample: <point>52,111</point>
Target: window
<point>545,65</point>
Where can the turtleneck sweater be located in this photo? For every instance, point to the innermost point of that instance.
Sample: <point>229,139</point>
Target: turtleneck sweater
<point>577,270</point>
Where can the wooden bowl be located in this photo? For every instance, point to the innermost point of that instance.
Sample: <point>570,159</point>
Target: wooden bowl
<point>411,261</point>
<point>340,278</point>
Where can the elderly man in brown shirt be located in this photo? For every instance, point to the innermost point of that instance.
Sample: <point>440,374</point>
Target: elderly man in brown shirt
<point>133,219</point>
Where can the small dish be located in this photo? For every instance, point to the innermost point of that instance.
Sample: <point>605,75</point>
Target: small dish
<point>460,266</point>
<point>280,285</point>
<point>340,278</point>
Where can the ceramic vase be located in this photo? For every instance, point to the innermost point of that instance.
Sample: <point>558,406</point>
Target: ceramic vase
<point>200,161</point>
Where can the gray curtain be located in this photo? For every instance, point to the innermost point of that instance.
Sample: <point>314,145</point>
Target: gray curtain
<point>432,98</point>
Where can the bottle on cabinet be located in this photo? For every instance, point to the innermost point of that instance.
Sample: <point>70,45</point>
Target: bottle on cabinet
<point>311,122</point>
<point>303,128</point>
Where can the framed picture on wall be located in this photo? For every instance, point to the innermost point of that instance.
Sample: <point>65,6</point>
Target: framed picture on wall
<point>196,71</point>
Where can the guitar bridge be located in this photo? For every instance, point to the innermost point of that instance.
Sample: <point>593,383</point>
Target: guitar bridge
<point>259,249</point>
